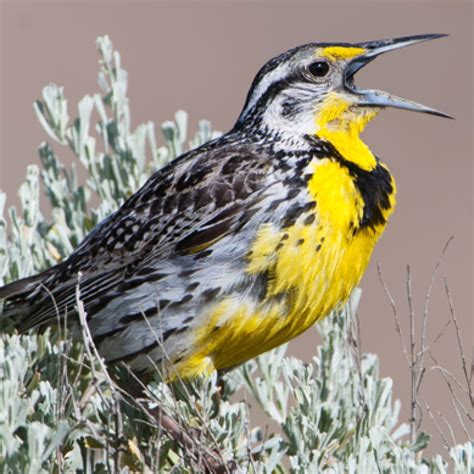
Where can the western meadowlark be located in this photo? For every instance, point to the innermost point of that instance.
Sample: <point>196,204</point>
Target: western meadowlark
<point>243,243</point>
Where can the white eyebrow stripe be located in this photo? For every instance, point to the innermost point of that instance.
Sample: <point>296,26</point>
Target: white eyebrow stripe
<point>274,76</point>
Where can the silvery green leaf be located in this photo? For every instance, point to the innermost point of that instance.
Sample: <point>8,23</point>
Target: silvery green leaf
<point>401,431</point>
<point>438,465</point>
<point>103,82</point>
<point>40,114</point>
<point>85,110</point>
<point>52,112</point>
<point>29,197</point>
<point>105,47</point>
<point>181,118</point>
<point>136,144</point>
<point>462,456</point>
<point>151,136</point>
<point>421,442</point>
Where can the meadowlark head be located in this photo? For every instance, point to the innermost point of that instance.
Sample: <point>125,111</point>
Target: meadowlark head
<point>312,87</point>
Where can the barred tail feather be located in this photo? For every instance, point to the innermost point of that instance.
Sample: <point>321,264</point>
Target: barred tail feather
<point>15,302</point>
<point>41,299</point>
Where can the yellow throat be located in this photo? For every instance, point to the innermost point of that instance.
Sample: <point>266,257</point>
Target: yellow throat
<point>339,124</point>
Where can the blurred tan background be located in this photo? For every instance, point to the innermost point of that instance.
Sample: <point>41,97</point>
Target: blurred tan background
<point>201,56</point>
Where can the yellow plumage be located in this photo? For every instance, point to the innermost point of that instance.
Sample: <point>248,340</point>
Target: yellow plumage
<point>317,267</point>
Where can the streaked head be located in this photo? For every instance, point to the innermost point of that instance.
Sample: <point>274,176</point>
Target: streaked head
<point>312,86</point>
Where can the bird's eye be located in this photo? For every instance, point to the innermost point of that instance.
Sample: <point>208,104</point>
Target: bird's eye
<point>318,68</point>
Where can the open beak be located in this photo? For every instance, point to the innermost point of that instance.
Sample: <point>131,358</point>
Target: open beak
<point>376,98</point>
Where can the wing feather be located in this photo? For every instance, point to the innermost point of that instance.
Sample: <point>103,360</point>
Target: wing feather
<point>184,208</point>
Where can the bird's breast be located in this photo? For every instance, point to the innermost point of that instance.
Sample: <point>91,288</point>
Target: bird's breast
<point>314,264</point>
<point>308,265</point>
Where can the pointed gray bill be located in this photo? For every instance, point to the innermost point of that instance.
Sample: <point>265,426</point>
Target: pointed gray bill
<point>376,98</point>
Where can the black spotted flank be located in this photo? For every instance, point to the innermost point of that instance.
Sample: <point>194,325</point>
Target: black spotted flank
<point>187,273</point>
<point>173,332</point>
<point>192,286</point>
<point>107,335</point>
<point>139,315</point>
<point>202,254</point>
<point>129,357</point>
<point>185,299</point>
<point>162,304</point>
<point>149,347</point>
<point>210,294</point>
<point>296,211</point>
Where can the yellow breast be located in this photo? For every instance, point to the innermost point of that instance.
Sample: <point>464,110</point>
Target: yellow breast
<point>313,265</point>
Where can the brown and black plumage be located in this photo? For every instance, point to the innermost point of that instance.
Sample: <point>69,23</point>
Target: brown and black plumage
<point>241,244</point>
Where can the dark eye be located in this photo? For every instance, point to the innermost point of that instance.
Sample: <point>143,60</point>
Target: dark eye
<point>318,68</point>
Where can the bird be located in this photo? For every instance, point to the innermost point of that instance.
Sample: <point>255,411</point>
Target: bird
<point>243,243</point>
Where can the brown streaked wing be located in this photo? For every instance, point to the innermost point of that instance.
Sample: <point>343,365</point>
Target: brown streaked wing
<point>210,194</point>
